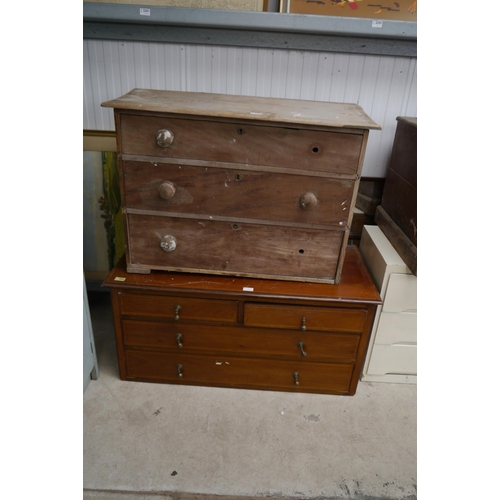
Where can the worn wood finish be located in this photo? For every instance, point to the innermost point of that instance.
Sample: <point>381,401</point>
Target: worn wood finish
<point>315,113</point>
<point>234,247</point>
<point>243,143</point>
<point>237,193</point>
<point>244,332</point>
<point>245,186</point>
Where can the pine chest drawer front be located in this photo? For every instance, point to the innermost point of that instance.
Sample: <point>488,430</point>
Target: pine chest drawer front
<point>178,308</point>
<point>333,152</point>
<point>236,248</point>
<point>305,318</point>
<point>225,371</point>
<point>247,194</point>
<point>186,338</point>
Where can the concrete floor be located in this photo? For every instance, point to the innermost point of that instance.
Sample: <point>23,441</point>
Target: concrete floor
<point>151,441</point>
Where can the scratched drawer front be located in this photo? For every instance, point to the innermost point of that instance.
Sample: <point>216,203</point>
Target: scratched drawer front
<point>237,193</point>
<point>247,144</point>
<point>157,306</point>
<point>312,318</point>
<point>246,249</point>
<point>238,372</point>
<point>307,346</point>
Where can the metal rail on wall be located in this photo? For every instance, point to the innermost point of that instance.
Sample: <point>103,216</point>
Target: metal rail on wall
<point>249,29</point>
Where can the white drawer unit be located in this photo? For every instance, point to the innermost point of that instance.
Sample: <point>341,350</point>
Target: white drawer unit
<point>392,351</point>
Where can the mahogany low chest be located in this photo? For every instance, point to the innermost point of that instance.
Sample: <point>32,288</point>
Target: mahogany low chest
<point>241,332</point>
<point>238,185</point>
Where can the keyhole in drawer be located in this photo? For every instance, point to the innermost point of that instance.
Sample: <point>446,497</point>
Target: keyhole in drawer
<point>240,131</point>
<point>315,149</point>
<point>237,177</point>
<point>236,226</point>
<point>301,250</point>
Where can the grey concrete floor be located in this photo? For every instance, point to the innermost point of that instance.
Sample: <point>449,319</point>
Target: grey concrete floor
<point>152,441</point>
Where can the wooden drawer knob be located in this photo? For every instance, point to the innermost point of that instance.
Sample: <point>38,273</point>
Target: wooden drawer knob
<point>308,201</point>
<point>168,243</point>
<point>166,190</point>
<point>164,138</point>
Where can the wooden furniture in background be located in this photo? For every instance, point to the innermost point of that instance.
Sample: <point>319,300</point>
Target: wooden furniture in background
<point>392,351</point>
<point>238,185</point>
<point>249,333</point>
<point>397,213</point>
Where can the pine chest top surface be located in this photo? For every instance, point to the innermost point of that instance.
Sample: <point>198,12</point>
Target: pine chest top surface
<point>265,109</point>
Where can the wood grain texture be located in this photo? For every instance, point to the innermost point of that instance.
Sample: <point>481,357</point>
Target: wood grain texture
<point>326,114</point>
<point>238,341</point>
<point>237,193</point>
<point>356,287</point>
<point>216,246</point>
<point>243,143</point>
<point>310,318</point>
<point>163,307</point>
<point>243,373</point>
<point>225,334</point>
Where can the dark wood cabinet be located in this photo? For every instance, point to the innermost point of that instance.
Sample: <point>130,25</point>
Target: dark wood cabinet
<point>242,332</point>
<point>397,214</point>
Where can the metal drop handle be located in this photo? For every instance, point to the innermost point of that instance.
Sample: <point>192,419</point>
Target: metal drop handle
<point>296,377</point>
<point>179,371</point>
<point>178,337</point>
<point>303,327</point>
<point>177,309</point>
<point>301,347</point>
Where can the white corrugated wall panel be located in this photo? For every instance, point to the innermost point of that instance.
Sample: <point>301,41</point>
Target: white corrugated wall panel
<point>384,86</point>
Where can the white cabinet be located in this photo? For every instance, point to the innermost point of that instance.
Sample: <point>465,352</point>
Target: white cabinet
<point>392,351</point>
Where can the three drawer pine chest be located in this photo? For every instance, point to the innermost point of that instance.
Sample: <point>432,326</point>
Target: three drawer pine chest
<point>247,333</point>
<point>237,185</point>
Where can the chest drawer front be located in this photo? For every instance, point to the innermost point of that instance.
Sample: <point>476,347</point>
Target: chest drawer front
<point>249,373</point>
<point>298,317</point>
<point>203,245</point>
<point>237,340</point>
<point>178,308</point>
<point>237,193</point>
<point>246,144</point>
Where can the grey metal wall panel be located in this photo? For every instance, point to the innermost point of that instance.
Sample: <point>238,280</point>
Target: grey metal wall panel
<point>385,86</point>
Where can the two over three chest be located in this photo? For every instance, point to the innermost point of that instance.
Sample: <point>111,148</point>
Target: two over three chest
<point>249,333</point>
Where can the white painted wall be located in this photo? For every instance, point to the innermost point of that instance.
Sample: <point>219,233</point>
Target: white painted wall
<point>384,86</point>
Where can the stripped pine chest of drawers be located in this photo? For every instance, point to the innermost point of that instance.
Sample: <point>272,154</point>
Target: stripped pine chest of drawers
<point>246,333</point>
<point>238,185</point>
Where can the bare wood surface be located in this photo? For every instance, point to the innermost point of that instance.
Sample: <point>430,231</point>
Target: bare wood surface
<point>244,193</point>
<point>245,107</point>
<point>247,144</point>
<point>356,285</point>
<point>220,246</point>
